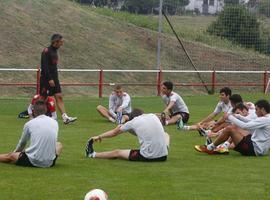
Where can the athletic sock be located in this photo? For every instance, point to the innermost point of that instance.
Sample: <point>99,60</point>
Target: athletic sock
<point>186,128</point>
<point>64,116</point>
<point>226,144</point>
<point>211,147</point>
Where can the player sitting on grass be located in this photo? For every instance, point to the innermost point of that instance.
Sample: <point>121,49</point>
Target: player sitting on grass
<point>154,142</point>
<point>251,138</point>
<point>42,132</point>
<point>176,111</point>
<point>119,106</point>
<point>50,103</point>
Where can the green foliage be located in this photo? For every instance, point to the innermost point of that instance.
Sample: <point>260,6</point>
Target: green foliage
<point>237,24</point>
<point>264,7</point>
<point>148,6</point>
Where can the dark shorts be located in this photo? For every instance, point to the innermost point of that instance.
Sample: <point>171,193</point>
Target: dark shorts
<point>185,116</point>
<point>245,146</point>
<point>135,155</point>
<point>47,90</point>
<point>24,161</point>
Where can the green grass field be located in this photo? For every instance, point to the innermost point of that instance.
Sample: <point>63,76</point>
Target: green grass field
<point>186,174</point>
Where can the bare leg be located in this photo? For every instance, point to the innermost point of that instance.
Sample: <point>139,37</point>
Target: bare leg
<point>59,148</point>
<point>219,127</point>
<point>60,102</point>
<point>231,131</point>
<point>174,119</point>
<point>123,154</point>
<point>103,111</point>
<point>9,157</point>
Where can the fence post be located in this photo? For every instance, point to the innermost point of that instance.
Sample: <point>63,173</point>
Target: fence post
<point>100,83</point>
<point>38,81</point>
<point>265,81</point>
<point>159,79</point>
<point>213,81</point>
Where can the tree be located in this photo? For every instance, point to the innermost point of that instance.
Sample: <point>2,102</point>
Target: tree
<point>238,25</point>
<point>264,7</point>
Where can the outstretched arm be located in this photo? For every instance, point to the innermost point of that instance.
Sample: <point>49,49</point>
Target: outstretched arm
<point>111,133</point>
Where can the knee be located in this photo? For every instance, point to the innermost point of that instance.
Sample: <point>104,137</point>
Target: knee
<point>116,152</point>
<point>59,145</point>
<point>99,107</point>
<point>230,128</point>
<point>59,97</point>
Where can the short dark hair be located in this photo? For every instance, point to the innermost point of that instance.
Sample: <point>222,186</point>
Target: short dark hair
<point>39,108</point>
<point>239,106</point>
<point>135,113</point>
<point>226,90</point>
<point>168,85</point>
<point>118,87</point>
<point>263,104</point>
<point>236,98</point>
<point>55,37</point>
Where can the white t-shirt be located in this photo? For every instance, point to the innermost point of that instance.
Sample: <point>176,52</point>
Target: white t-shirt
<point>261,132</point>
<point>179,105</point>
<point>115,102</point>
<point>223,107</point>
<point>42,132</point>
<point>150,133</point>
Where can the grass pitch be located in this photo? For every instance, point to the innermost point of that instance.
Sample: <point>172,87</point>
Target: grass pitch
<point>187,174</point>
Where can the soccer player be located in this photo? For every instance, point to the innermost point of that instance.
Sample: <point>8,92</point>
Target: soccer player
<point>153,140</point>
<point>119,104</point>
<point>49,82</point>
<point>224,105</point>
<point>251,138</point>
<point>42,132</point>
<point>176,110</point>
<point>49,101</point>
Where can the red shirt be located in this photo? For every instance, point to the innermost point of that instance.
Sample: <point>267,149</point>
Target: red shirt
<point>49,102</point>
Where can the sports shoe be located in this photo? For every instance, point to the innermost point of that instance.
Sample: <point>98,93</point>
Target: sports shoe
<point>89,150</point>
<point>203,149</point>
<point>202,132</point>
<point>163,118</point>
<point>180,124</point>
<point>69,120</point>
<point>221,150</point>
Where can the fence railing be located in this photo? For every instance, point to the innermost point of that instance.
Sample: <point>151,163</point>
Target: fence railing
<point>213,83</point>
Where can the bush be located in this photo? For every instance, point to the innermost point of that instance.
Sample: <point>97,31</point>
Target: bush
<point>264,8</point>
<point>238,25</point>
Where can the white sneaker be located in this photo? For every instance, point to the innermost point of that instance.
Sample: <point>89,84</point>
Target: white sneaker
<point>69,120</point>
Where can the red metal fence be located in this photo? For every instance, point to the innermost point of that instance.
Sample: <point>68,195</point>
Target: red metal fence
<point>213,83</point>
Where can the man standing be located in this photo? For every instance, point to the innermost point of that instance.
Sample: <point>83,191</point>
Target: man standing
<point>176,111</point>
<point>153,140</point>
<point>42,132</point>
<point>119,106</point>
<point>49,82</point>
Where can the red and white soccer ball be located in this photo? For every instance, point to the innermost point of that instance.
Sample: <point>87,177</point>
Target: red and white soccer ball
<point>96,194</point>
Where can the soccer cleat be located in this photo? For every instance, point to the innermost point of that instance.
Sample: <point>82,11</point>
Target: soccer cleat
<point>89,150</point>
<point>180,124</point>
<point>163,118</point>
<point>203,149</point>
<point>221,150</point>
<point>202,132</point>
<point>69,120</point>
